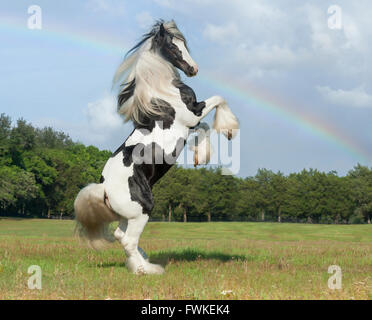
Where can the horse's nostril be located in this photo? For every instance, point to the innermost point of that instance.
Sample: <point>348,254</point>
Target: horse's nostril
<point>192,71</point>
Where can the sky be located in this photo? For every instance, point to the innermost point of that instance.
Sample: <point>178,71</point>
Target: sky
<point>297,74</point>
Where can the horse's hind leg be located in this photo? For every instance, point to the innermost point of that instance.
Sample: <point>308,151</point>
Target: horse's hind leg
<point>120,232</point>
<point>135,261</point>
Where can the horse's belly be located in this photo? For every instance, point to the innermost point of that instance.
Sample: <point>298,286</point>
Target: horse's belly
<point>116,175</point>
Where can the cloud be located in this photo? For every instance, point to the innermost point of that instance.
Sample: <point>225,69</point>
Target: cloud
<point>102,114</point>
<point>267,57</point>
<point>165,3</point>
<point>301,28</point>
<point>221,33</point>
<point>356,97</point>
<point>352,34</point>
<point>265,38</point>
<point>101,125</point>
<point>186,5</point>
<point>145,20</point>
<point>112,7</point>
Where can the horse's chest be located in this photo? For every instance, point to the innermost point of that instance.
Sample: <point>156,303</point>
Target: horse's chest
<point>190,115</point>
<point>166,140</point>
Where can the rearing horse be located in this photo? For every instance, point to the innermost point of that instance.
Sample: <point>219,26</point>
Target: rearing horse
<point>162,109</point>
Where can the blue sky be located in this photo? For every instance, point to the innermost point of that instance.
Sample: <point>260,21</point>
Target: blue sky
<point>282,57</point>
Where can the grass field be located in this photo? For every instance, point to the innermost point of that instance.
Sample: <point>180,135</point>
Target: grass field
<point>253,260</point>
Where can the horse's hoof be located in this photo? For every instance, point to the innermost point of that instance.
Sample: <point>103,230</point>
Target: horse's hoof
<point>229,134</point>
<point>154,269</point>
<point>149,268</point>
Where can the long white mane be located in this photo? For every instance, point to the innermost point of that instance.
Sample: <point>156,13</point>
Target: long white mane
<point>144,75</point>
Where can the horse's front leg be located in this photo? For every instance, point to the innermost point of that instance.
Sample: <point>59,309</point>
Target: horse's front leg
<point>224,120</point>
<point>137,260</point>
<point>210,104</point>
<point>120,233</point>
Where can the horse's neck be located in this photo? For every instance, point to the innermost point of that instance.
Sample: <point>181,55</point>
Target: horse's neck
<point>155,75</point>
<point>155,79</point>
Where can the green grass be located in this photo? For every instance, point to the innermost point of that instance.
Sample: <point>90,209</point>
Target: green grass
<point>254,260</point>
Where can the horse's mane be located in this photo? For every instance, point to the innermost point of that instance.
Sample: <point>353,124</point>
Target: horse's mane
<point>142,74</point>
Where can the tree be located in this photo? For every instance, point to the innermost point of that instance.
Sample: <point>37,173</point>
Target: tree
<point>246,204</point>
<point>167,194</point>
<point>361,190</point>
<point>206,195</point>
<point>264,191</point>
<point>42,170</point>
<point>17,188</point>
<point>279,192</point>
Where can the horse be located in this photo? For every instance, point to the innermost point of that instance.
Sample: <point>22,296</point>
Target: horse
<point>163,111</point>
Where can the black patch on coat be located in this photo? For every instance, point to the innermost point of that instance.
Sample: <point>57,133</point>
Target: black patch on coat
<point>140,189</point>
<point>127,154</point>
<point>166,118</point>
<point>126,93</point>
<point>159,162</point>
<point>155,164</point>
<point>173,54</point>
<point>155,30</point>
<point>162,42</point>
<point>189,98</point>
<point>102,179</point>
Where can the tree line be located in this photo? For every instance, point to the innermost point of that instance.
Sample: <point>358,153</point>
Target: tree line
<point>42,170</point>
<point>309,196</point>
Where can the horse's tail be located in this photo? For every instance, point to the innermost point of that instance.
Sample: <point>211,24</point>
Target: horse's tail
<point>93,216</point>
<point>225,121</point>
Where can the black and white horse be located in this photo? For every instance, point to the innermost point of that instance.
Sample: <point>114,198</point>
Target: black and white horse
<point>162,109</point>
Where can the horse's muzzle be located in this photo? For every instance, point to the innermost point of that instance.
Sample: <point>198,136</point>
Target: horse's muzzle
<point>191,71</point>
<point>195,70</point>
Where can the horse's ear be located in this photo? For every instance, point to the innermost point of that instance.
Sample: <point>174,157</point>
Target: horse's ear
<point>159,36</point>
<point>162,30</point>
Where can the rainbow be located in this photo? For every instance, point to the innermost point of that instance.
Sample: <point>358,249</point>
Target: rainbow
<point>91,40</point>
<point>288,112</point>
<point>244,92</point>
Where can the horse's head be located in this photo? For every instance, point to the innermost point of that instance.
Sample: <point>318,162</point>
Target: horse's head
<point>171,44</point>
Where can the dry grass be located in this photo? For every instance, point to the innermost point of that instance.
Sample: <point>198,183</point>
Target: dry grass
<point>253,260</point>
